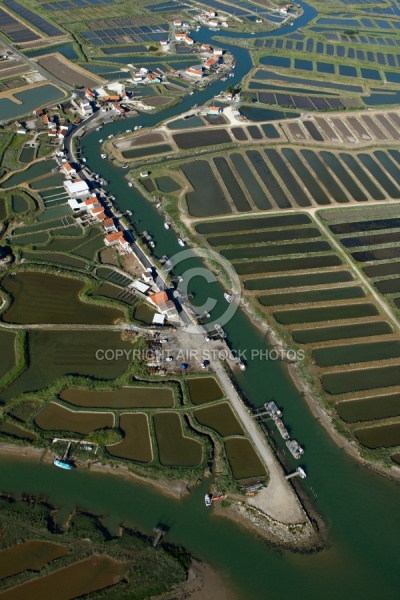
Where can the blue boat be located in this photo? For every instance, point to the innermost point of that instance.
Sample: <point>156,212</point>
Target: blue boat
<point>62,464</point>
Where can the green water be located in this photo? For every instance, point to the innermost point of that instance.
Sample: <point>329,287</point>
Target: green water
<point>35,170</point>
<point>288,281</point>
<point>30,100</point>
<point>324,334</point>
<point>332,293</point>
<point>360,507</point>
<point>367,409</point>
<point>354,353</point>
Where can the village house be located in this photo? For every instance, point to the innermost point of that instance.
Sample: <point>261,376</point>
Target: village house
<point>212,62</point>
<point>91,96</point>
<point>117,239</point>
<point>183,37</point>
<point>68,169</point>
<point>109,225</point>
<point>196,73</point>
<point>164,305</point>
<point>83,107</point>
<point>214,110</point>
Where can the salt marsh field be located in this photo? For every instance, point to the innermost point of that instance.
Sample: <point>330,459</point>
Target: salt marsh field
<point>272,176</point>
<point>313,274</point>
<point>321,302</point>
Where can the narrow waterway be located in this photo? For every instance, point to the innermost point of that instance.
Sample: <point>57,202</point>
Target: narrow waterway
<point>361,508</point>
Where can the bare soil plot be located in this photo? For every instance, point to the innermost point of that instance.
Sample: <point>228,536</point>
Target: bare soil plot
<point>159,100</point>
<point>144,139</point>
<point>67,73</point>
<point>328,130</point>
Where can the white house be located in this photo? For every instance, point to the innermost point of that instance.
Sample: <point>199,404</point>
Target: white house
<point>68,169</point>
<point>76,188</point>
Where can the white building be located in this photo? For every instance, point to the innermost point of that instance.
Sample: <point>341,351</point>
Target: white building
<point>76,188</point>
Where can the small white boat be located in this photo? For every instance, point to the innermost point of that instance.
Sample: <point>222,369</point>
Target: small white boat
<point>103,155</point>
<point>130,184</point>
<point>166,225</point>
<point>228,297</point>
<point>181,242</point>
<point>62,464</point>
<point>208,500</point>
<point>101,140</point>
<point>110,136</point>
<point>128,131</point>
<point>241,365</point>
<point>124,166</point>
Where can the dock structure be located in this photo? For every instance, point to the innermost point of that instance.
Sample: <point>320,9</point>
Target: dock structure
<point>299,472</point>
<point>160,534</point>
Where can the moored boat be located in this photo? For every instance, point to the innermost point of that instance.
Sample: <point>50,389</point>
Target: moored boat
<point>62,464</point>
<point>207,500</point>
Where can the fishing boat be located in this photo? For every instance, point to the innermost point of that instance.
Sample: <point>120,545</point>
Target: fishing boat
<point>103,155</point>
<point>130,184</point>
<point>295,449</point>
<point>208,500</point>
<point>181,242</point>
<point>62,464</point>
<point>166,225</point>
<point>228,297</point>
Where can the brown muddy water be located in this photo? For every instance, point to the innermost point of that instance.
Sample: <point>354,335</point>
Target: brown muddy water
<point>126,397</point>
<point>32,555</point>
<point>368,409</point>
<point>203,389</point>
<point>242,458</point>
<point>16,431</point>
<point>76,580</point>
<point>136,444</point>
<point>220,418</point>
<point>380,436</point>
<point>54,417</point>
<point>174,448</point>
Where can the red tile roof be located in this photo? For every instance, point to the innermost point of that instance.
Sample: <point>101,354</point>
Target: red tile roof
<point>159,298</point>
